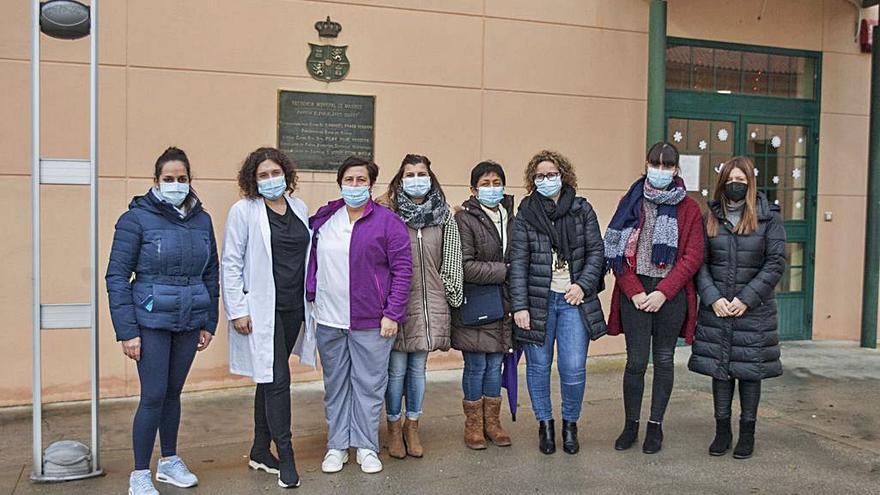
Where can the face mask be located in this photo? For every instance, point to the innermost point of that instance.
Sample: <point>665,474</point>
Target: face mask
<point>174,192</point>
<point>417,187</point>
<point>355,196</point>
<point>660,179</point>
<point>490,196</point>
<point>735,191</point>
<point>549,187</point>
<point>272,188</point>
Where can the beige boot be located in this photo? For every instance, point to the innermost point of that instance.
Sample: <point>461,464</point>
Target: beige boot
<point>492,420</point>
<point>473,424</point>
<point>411,438</point>
<point>396,448</point>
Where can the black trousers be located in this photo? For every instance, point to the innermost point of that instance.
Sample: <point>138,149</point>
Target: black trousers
<point>272,400</point>
<point>749,397</point>
<point>654,334</point>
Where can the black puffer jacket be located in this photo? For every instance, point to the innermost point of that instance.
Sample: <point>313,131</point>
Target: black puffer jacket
<point>747,267</point>
<point>531,258</point>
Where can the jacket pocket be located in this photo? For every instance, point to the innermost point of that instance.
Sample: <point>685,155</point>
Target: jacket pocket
<point>201,301</point>
<point>166,298</point>
<point>380,294</point>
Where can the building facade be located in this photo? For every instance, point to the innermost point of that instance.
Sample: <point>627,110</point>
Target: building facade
<point>459,81</point>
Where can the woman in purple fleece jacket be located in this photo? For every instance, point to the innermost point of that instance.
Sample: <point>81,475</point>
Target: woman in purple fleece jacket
<point>358,281</point>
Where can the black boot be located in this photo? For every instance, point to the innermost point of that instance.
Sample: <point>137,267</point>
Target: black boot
<point>746,443</point>
<point>653,438</point>
<point>628,436</point>
<point>546,437</point>
<point>288,477</point>
<point>723,438</point>
<point>570,442</point>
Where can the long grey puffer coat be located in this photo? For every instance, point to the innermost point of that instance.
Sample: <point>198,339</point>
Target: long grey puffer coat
<point>747,267</point>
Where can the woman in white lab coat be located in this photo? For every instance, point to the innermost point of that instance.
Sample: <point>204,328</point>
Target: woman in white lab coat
<point>264,261</point>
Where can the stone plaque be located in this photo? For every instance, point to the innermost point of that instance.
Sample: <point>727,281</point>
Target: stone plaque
<point>320,130</point>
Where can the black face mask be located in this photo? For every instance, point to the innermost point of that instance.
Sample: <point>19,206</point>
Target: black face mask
<point>735,191</point>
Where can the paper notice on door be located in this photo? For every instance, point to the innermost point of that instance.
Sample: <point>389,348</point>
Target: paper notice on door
<point>690,171</point>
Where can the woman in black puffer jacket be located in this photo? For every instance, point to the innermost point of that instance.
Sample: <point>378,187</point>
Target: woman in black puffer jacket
<point>556,268</point>
<point>737,337</point>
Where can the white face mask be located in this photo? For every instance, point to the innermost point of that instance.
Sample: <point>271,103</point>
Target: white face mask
<point>174,192</point>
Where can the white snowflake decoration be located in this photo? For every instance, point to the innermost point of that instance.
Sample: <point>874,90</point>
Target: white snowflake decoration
<point>756,172</point>
<point>754,134</point>
<point>719,167</point>
<point>776,202</point>
<point>776,141</point>
<point>704,192</point>
<point>722,135</point>
<point>796,173</point>
<point>798,205</point>
<point>776,179</point>
<point>801,139</point>
<point>677,136</point>
<point>703,144</point>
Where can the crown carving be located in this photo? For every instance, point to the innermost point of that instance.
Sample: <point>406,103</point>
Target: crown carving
<point>328,28</point>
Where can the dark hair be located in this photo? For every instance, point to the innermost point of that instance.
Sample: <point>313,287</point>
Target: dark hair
<point>566,170</point>
<point>663,153</point>
<point>353,161</point>
<point>390,196</point>
<point>170,155</point>
<point>487,167</point>
<point>247,174</point>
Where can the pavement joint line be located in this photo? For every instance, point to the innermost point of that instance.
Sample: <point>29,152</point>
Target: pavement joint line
<point>823,434</point>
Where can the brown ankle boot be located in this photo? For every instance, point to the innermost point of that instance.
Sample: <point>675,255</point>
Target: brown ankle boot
<point>473,424</point>
<point>396,448</point>
<point>492,420</point>
<point>411,438</point>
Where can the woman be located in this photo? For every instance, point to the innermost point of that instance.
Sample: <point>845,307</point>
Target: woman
<point>264,263</point>
<point>556,269</point>
<point>484,221</point>
<point>416,196</point>
<point>654,245</point>
<point>737,338</point>
<point>169,310</point>
<point>358,278</point>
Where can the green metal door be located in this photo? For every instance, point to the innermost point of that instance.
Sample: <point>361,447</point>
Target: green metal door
<point>720,102</point>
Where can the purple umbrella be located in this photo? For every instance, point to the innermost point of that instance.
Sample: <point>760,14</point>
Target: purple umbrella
<point>510,379</point>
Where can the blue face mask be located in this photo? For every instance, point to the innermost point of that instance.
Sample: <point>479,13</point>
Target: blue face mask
<point>355,196</point>
<point>272,188</point>
<point>658,178</point>
<point>490,196</point>
<point>549,187</point>
<point>174,192</point>
<point>417,187</point>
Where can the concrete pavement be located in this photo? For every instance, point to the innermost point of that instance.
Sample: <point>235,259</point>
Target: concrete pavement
<point>818,433</point>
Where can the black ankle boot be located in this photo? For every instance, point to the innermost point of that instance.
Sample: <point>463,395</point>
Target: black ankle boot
<point>746,443</point>
<point>723,438</point>
<point>288,477</point>
<point>628,436</point>
<point>546,437</point>
<point>262,460</point>
<point>653,438</point>
<point>570,442</point>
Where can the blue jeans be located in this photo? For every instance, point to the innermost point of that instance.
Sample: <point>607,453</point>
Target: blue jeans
<point>566,329</point>
<point>482,375</point>
<point>406,370</point>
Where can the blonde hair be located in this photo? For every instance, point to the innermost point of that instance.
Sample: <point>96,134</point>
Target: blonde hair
<point>566,170</point>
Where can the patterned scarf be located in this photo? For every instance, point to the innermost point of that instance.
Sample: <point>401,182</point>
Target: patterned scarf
<point>622,235</point>
<point>433,211</point>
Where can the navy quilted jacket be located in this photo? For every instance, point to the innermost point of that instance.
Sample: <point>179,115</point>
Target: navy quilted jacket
<point>176,285</point>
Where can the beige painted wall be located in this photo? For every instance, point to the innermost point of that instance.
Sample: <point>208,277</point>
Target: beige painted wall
<point>457,80</point>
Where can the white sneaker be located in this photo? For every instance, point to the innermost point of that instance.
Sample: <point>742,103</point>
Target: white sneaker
<point>334,460</point>
<point>369,461</point>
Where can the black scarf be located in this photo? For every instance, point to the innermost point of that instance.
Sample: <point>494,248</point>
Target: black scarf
<point>552,218</point>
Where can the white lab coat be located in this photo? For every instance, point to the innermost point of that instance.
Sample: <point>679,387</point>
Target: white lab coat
<point>249,290</point>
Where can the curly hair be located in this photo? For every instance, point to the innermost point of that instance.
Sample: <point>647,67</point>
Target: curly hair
<point>565,169</point>
<point>247,175</point>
